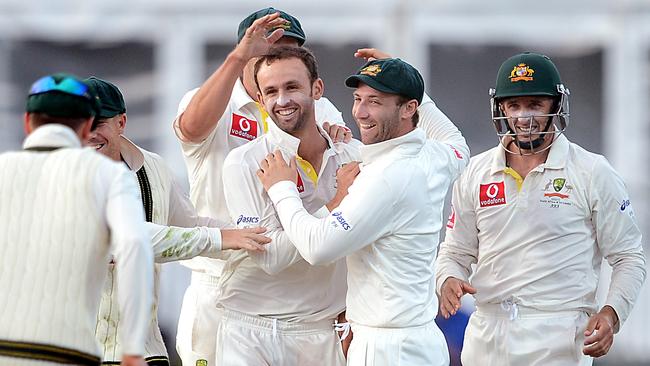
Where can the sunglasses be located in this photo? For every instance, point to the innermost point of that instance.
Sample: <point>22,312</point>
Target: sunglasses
<point>65,85</point>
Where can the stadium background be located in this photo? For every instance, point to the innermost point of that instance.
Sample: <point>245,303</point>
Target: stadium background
<point>155,50</point>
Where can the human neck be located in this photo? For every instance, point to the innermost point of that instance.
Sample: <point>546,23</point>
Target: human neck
<point>312,144</point>
<point>523,164</point>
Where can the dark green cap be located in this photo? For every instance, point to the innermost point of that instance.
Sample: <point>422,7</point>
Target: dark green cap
<point>110,96</point>
<point>62,95</point>
<point>390,75</point>
<point>527,74</point>
<point>292,29</point>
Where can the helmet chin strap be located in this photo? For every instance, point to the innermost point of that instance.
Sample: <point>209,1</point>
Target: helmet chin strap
<point>532,145</point>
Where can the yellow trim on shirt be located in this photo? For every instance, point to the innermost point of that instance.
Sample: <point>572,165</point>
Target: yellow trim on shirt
<point>308,169</point>
<point>513,173</point>
<point>264,115</point>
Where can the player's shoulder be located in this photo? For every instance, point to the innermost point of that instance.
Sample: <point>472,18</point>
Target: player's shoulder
<point>484,160</point>
<point>249,152</point>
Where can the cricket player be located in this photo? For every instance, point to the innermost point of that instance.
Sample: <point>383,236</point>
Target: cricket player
<point>279,309</point>
<point>389,223</point>
<point>164,204</point>
<point>214,119</point>
<point>536,215</point>
<point>64,209</point>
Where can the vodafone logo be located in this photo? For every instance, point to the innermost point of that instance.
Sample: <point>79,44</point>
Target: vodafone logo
<point>243,127</point>
<point>492,194</point>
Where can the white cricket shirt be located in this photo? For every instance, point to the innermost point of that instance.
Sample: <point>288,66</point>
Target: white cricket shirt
<point>538,242</point>
<point>243,120</point>
<point>388,225</point>
<point>278,283</point>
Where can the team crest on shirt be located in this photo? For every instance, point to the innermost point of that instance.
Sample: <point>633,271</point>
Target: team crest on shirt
<point>492,194</point>
<point>557,192</point>
<point>201,362</point>
<point>243,127</point>
<point>299,184</point>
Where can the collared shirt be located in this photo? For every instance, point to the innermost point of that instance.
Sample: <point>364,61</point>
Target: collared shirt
<point>243,120</point>
<point>117,197</point>
<point>388,226</point>
<point>539,241</point>
<point>278,283</point>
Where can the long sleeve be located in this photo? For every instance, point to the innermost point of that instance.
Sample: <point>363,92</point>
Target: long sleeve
<point>437,126</point>
<point>182,212</point>
<point>249,206</point>
<point>460,248</point>
<point>349,228</point>
<point>619,238</point>
<point>172,243</point>
<point>132,251</point>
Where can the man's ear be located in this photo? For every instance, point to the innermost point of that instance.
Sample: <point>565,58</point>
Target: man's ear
<point>85,129</point>
<point>121,123</point>
<point>260,98</point>
<point>26,125</point>
<point>409,109</point>
<point>317,89</point>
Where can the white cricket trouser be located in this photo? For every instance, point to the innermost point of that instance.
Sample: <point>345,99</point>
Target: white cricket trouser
<point>198,321</point>
<point>412,346</point>
<point>244,339</point>
<point>511,335</point>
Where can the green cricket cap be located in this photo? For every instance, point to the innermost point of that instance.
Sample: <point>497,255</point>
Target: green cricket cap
<point>525,74</point>
<point>62,95</point>
<point>390,75</point>
<point>291,29</point>
<point>110,96</point>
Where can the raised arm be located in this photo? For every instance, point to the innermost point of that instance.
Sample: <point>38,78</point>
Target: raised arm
<point>210,101</point>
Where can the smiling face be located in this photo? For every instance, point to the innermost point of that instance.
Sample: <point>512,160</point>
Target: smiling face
<point>379,115</point>
<point>528,118</point>
<point>288,94</point>
<point>105,138</point>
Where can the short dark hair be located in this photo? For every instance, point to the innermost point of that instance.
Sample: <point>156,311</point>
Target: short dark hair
<point>415,118</point>
<point>286,52</point>
<point>39,119</point>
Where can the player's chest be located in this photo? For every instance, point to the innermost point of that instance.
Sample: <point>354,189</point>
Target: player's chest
<point>543,194</point>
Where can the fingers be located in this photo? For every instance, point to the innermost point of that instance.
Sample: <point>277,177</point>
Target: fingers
<point>275,36</point>
<point>256,229</point>
<point>468,289</point>
<point>326,127</point>
<point>260,239</point>
<point>251,245</point>
<point>370,54</point>
<point>600,337</point>
<point>450,294</point>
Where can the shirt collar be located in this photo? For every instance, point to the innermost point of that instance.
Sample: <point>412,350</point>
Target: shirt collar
<point>52,135</point>
<point>556,159</point>
<point>409,144</point>
<point>291,143</point>
<point>133,157</point>
<point>239,95</point>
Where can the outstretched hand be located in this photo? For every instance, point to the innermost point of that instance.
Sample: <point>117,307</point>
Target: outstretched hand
<point>257,40</point>
<point>371,54</point>
<point>248,239</point>
<point>274,169</point>
<point>450,293</point>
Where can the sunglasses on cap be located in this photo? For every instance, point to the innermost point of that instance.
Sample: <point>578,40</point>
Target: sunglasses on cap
<point>65,85</point>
